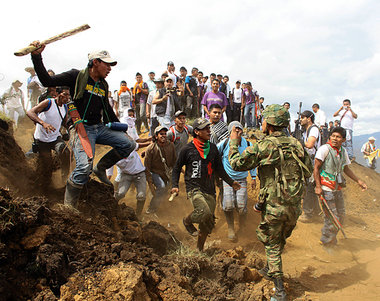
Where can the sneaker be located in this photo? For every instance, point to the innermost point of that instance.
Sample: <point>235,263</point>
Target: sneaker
<point>190,228</point>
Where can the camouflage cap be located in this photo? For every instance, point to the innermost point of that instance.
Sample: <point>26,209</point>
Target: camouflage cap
<point>276,115</point>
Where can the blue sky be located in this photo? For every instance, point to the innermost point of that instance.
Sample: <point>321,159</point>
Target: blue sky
<point>322,51</point>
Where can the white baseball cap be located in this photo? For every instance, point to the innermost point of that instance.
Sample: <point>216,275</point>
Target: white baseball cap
<point>371,138</point>
<point>102,55</point>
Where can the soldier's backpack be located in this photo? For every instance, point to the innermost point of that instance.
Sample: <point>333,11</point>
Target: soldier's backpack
<point>292,172</point>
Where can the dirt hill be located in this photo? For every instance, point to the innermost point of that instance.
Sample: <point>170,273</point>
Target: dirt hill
<point>49,253</point>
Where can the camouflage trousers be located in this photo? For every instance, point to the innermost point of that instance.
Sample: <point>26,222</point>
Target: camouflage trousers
<point>277,224</point>
<point>204,208</point>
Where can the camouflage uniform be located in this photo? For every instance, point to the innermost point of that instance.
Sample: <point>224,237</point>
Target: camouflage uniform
<point>281,183</point>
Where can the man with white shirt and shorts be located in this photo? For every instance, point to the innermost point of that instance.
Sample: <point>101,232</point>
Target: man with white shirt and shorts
<point>311,143</point>
<point>347,117</point>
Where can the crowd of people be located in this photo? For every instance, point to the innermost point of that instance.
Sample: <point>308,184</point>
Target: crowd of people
<point>214,149</point>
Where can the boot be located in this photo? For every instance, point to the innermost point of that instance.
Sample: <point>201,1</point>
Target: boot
<point>187,222</point>
<point>139,208</point>
<point>230,223</point>
<point>72,193</point>
<point>201,240</point>
<point>107,161</point>
<point>280,294</point>
<point>242,221</point>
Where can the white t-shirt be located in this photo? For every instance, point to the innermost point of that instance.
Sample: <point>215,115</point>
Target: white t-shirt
<point>152,106</point>
<point>320,118</point>
<point>347,121</point>
<point>321,155</point>
<point>53,117</point>
<point>237,95</point>
<point>174,78</point>
<point>314,132</point>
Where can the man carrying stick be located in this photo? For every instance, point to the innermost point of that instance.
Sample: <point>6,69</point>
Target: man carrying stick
<point>331,161</point>
<point>89,91</point>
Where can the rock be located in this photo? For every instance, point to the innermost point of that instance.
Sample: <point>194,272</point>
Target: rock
<point>121,282</point>
<point>159,238</point>
<point>36,238</point>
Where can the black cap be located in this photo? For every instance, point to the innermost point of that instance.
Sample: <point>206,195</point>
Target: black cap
<point>307,113</point>
<point>200,123</point>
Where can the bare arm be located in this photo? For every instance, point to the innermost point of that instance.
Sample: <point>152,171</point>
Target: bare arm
<point>337,112</point>
<point>317,167</point>
<point>310,142</point>
<point>188,89</point>
<point>350,174</point>
<point>157,100</point>
<point>33,115</point>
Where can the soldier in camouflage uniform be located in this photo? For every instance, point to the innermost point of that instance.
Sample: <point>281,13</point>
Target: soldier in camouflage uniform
<point>283,167</point>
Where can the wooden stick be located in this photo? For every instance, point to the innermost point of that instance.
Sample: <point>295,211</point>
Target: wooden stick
<point>61,36</point>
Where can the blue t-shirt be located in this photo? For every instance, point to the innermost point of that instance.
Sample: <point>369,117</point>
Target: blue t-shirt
<point>224,149</point>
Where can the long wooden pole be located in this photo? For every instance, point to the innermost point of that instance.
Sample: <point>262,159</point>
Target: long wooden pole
<point>29,49</point>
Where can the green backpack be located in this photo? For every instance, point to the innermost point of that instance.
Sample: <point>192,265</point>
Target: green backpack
<point>292,172</point>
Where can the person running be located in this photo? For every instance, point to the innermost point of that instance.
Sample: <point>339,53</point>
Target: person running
<point>159,161</point>
<point>331,161</point>
<point>283,167</point>
<point>89,92</point>
<point>179,132</point>
<point>235,199</point>
<point>132,170</point>
<point>49,116</point>
<point>202,161</point>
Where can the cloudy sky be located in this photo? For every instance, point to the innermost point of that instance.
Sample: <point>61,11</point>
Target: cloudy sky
<point>309,51</point>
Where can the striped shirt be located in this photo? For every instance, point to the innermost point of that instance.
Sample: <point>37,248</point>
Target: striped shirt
<point>219,131</point>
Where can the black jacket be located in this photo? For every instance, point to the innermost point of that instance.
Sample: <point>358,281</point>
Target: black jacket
<point>68,78</point>
<point>200,173</point>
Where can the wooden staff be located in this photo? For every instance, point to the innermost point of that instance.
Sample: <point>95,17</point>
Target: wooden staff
<point>61,36</point>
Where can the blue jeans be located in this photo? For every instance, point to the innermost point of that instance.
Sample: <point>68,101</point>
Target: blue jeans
<point>97,134</point>
<point>249,115</point>
<point>348,144</point>
<point>161,190</point>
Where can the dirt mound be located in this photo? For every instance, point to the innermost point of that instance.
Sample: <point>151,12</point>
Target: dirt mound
<point>50,252</point>
<point>14,171</point>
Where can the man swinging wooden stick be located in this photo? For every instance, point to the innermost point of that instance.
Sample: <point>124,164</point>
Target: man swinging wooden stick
<point>89,92</point>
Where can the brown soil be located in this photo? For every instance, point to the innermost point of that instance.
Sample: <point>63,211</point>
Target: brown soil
<point>48,252</point>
